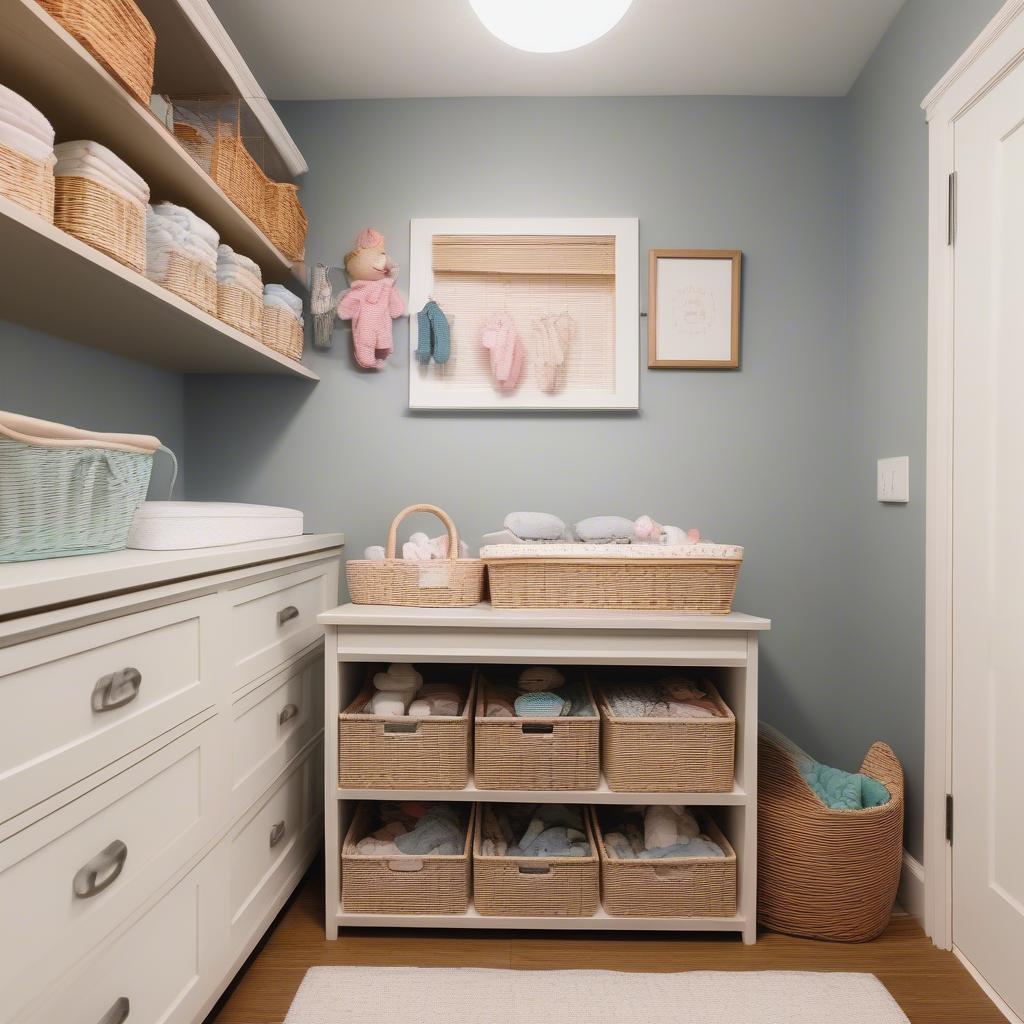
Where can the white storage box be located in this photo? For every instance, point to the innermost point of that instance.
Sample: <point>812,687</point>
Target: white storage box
<point>177,525</point>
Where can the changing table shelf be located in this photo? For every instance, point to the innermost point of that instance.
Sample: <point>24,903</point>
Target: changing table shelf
<point>358,635</point>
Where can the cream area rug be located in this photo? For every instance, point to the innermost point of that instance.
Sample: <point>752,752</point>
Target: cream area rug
<point>464,995</point>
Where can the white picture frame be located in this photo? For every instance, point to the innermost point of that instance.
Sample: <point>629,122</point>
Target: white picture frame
<point>428,390</point>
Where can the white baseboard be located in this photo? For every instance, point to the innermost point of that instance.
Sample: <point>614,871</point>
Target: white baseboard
<point>911,891</point>
<point>987,988</point>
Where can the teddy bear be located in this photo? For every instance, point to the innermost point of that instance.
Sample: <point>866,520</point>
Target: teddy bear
<point>372,300</point>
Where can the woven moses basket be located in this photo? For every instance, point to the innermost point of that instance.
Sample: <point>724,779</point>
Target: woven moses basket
<point>452,582</point>
<point>824,873</point>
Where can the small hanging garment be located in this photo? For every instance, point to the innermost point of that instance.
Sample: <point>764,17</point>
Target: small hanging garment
<point>500,337</point>
<point>434,336</point>
<point>553,335</point>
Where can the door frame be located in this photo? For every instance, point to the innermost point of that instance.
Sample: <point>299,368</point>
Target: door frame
<point>998,49</point>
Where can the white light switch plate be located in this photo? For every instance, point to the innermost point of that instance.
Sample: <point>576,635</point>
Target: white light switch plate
<point>894,479</point>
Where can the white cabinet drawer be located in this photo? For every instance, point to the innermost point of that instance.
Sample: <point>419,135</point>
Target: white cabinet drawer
<point>79,700</point>
<point>271,724</point>
<point>275,619</point>
<point>71,878</point>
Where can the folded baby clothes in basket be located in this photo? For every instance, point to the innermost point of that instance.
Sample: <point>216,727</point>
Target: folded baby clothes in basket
<point>276,295</point>
<point>86,159</point>
<point>235,269</point>
<point>23,128</point>
<point>172,228</point>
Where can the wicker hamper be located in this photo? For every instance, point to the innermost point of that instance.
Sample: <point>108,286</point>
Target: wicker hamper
<point>117,34</point>
<point>440,583</point>
<point>535,753</point>
<point>102,218</point>
<point>281,331</point>
<point>823,873</point>
<point>379,752</point>
<point>668,755</point>
<point>671,887</point>
<point>403,885</point>
<point>27,182</point>
<point>536,886</point>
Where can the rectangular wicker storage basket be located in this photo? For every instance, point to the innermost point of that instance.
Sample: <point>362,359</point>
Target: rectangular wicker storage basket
<point>668,755</point>
<point>281,331</point>
<point>242,309</point>
<point>284,220</point>
<point>190,279</point>
<point>536,886</point>
<point>27,182</point>
<point>439,583</point>
<point>403,885</point>
<point>102,218</point>
<point>535,753</point>
<point>671,887</point>
<point>376,751</point>
<point>117,34</point>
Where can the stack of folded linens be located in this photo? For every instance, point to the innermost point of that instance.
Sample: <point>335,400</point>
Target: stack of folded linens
<point>26,154</point>
<point>102,201</point>
<point>283,325</point>
<point>239,291</point>
<point>181,254</point>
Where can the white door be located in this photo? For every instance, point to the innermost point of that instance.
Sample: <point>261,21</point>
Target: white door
<point>988,542</point>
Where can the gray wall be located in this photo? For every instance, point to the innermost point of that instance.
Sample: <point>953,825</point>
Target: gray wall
<point>56,380</point>
<point>887,293</point>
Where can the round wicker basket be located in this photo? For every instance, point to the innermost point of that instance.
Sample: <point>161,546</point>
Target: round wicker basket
<point>449,583</point>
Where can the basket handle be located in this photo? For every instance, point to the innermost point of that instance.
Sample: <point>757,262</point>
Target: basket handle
<point>453,534</point>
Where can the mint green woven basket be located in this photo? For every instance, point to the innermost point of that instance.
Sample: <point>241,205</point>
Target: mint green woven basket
<point>77,499</point>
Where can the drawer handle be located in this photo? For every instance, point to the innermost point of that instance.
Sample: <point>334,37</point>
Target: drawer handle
<point>118,1013</point>
<point>287,713</point>
<point>287,614</point>
<point>94,876</point>
<point>116,690</point>
<point>277,833</point>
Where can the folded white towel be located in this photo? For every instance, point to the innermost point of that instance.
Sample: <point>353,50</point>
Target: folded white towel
<point>42,132</point>
<point>17,104</point>
<point>107,157</point>
<point>21,142</point>
<point>194,223</point>
<point>164,230</point>
<point>225,254</point>
<point>94,169</point>
<point>279,296</point>
<point>241,279</point>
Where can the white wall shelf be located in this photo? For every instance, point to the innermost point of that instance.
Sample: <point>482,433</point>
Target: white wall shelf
<point>361,634</point>
<point>55,283</point>
<point>45,64</point>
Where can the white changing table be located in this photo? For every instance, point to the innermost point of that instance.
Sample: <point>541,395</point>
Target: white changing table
<point>360,634</point>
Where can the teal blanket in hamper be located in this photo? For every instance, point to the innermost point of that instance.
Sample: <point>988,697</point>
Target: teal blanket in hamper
<point>836,789</point>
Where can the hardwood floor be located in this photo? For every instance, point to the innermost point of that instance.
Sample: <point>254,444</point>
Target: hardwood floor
<point>930,985</point>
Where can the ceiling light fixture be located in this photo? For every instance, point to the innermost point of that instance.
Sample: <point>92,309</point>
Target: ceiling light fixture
<point>549,26</point>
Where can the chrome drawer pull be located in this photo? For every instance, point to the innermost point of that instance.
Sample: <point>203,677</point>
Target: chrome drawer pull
<point>287,614</point>
<point>101,871</point>
<point>116,690</point>
<point>277,833</point>
<point>287,713</point>
<point>118,1013</point>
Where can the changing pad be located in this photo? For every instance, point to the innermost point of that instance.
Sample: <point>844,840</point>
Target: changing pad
<point>180,525</point>
<point>699,550</point>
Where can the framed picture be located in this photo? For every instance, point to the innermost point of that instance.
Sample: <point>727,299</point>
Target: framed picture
<point>542,313</point>
<point>693,309</point>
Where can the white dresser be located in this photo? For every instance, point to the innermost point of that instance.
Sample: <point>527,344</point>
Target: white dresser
<point>161,779</point>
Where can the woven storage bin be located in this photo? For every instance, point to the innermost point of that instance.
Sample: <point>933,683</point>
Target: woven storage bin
<point>116,34</point>
<point>101,218</point>
<point>663,584</point>
<point>673,886</point>
<point>403,885</point>
<point>284,219</point>
<point>668,755</point>
<point>280,331</point>
<point>535,753</point>
<point>536,886</point>
<point>440,583</point>
<point>824,873</point>
<point>380,752</point>
<point>66,491</point>
<point>191,280</point>
<point>241,309</point>
<point>27,182</point>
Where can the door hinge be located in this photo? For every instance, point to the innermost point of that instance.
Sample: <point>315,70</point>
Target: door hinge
<point>949,817</point>
<point>951,209</point>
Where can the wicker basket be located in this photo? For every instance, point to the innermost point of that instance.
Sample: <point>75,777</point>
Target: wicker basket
<point>662,584</point>
<point>672,887</point>
<point>403,885</point>
<point>441,583</point>
<point>281,331</point>
<point>284,219</point>
<point>27,182</point>
<point>242,309</point>
<point>102,218</point>
<point>404,753</point>
<point>668,755</point>
<point>536,886</point>
<point>190,279</point>
<point>824,873</point>
<point>116,34</point>
<point>535,753</point>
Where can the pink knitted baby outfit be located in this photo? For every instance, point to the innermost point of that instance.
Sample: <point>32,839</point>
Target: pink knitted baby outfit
<point>371,306</point>
<point>499,336</point>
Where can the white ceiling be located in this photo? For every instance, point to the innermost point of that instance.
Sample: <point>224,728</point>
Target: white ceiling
<point>349,49</point>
